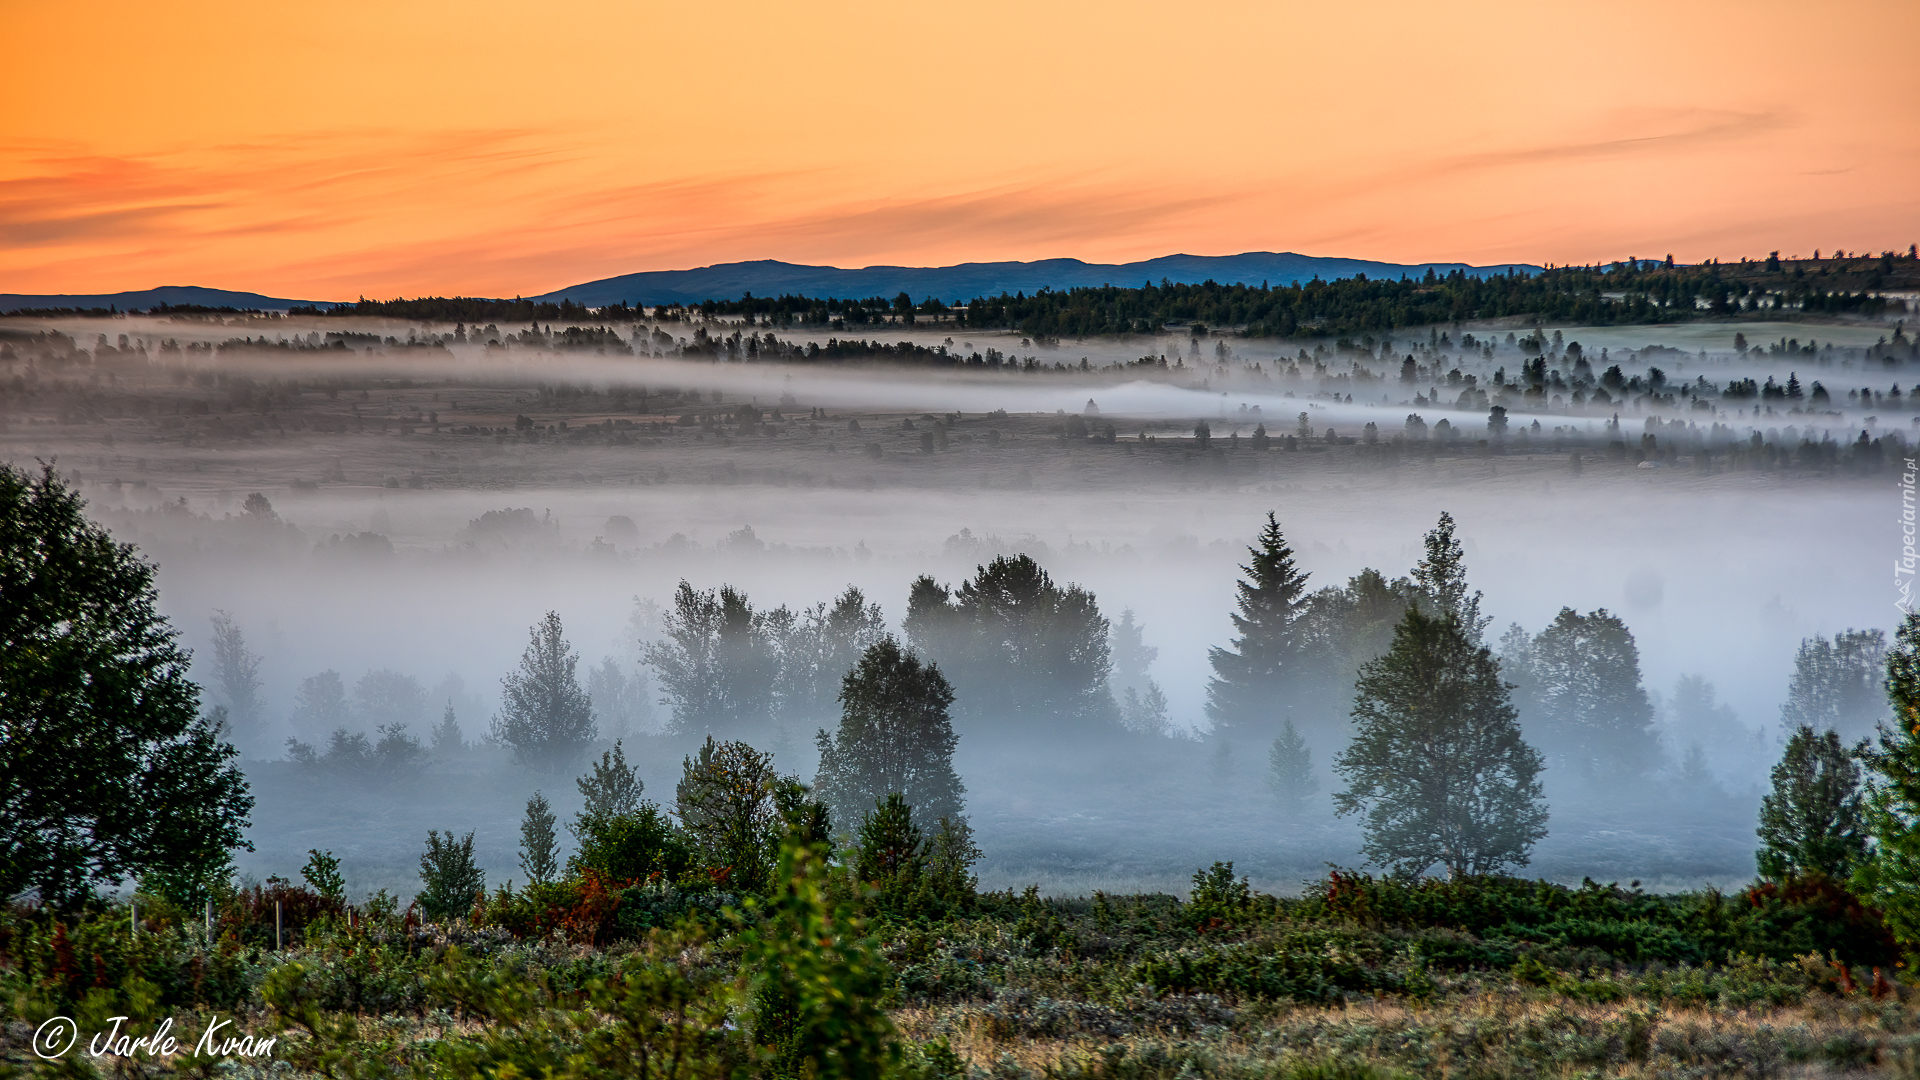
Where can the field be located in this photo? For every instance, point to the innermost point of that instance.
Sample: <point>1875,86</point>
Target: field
<point>1359,978</point>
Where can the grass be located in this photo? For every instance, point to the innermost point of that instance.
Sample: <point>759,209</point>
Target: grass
<point>1359,978</point>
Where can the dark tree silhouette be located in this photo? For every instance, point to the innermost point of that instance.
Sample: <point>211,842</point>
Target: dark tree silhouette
<point>718,663</point>
<point>1024,654</point>
<point>1836,684</point>
<point>894,738</point>
<point>1254,677</point>
<point>1441,578</point>
<point>1594,712</point>
<point>236,673</point>
<point>107,770</point>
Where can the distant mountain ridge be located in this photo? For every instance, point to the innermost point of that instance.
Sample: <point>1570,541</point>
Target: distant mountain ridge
<point>952,284</point>
<point>147,298</point>
<point>770,277</point>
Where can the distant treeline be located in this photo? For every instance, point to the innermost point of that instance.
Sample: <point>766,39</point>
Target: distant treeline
<point>470,309</point>
<point>1624,293</point>
<point>111,310</point>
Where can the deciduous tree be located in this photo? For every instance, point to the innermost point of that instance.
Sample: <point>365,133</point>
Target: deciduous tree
<point>545,717</point>
<point>107,768</point>
<point>894,738</point>
<point>1437,766</point>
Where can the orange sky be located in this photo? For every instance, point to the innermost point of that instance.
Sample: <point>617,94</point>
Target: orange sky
<point>485,148</point>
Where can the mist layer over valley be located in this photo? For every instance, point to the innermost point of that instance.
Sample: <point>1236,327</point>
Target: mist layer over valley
<point>397,504</point>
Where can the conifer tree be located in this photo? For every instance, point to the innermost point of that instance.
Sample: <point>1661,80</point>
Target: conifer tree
<point>1437,765</point>
<point>539,856</point>
<point>452,879</point>
<point>447,741</point>
<point>894,738</point>
<point>1265,660</point>
<point>610,789</point>
<point>1812,821</point>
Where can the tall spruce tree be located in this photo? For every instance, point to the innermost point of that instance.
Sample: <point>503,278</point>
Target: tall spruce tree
<point>610,789</point>
<point>1437,765</point>
<point>1813,821</point>
<point>539,845</point>
<point>895,738</point>
<point>1250,679</point>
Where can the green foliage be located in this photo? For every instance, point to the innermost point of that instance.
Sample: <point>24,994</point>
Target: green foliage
<point>108,768</point>
<point>1441,578</point>
<point>545,717</point>
<point>889,851</point>
<point>322,874</point>
<point>1813,821</point>
<point>948,878</point>
<point>1263,665</point>
<point>894,738</point>
<point>1437,764</point>
<point>190,887</point>
<point>453,882</point>
<point>1218,895</point>
<point>1890,878</point>
<point>611,788</point>
<point>818,980</point>
<point>727,810</point>
<point>642,845</point>
<point>539,845</point>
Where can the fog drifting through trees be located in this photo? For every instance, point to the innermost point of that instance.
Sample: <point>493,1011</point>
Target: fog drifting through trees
<point>1719,576</point>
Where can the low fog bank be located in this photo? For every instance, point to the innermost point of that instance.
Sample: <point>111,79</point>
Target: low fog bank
<point>397,523</point>
<point>1720,583</point>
